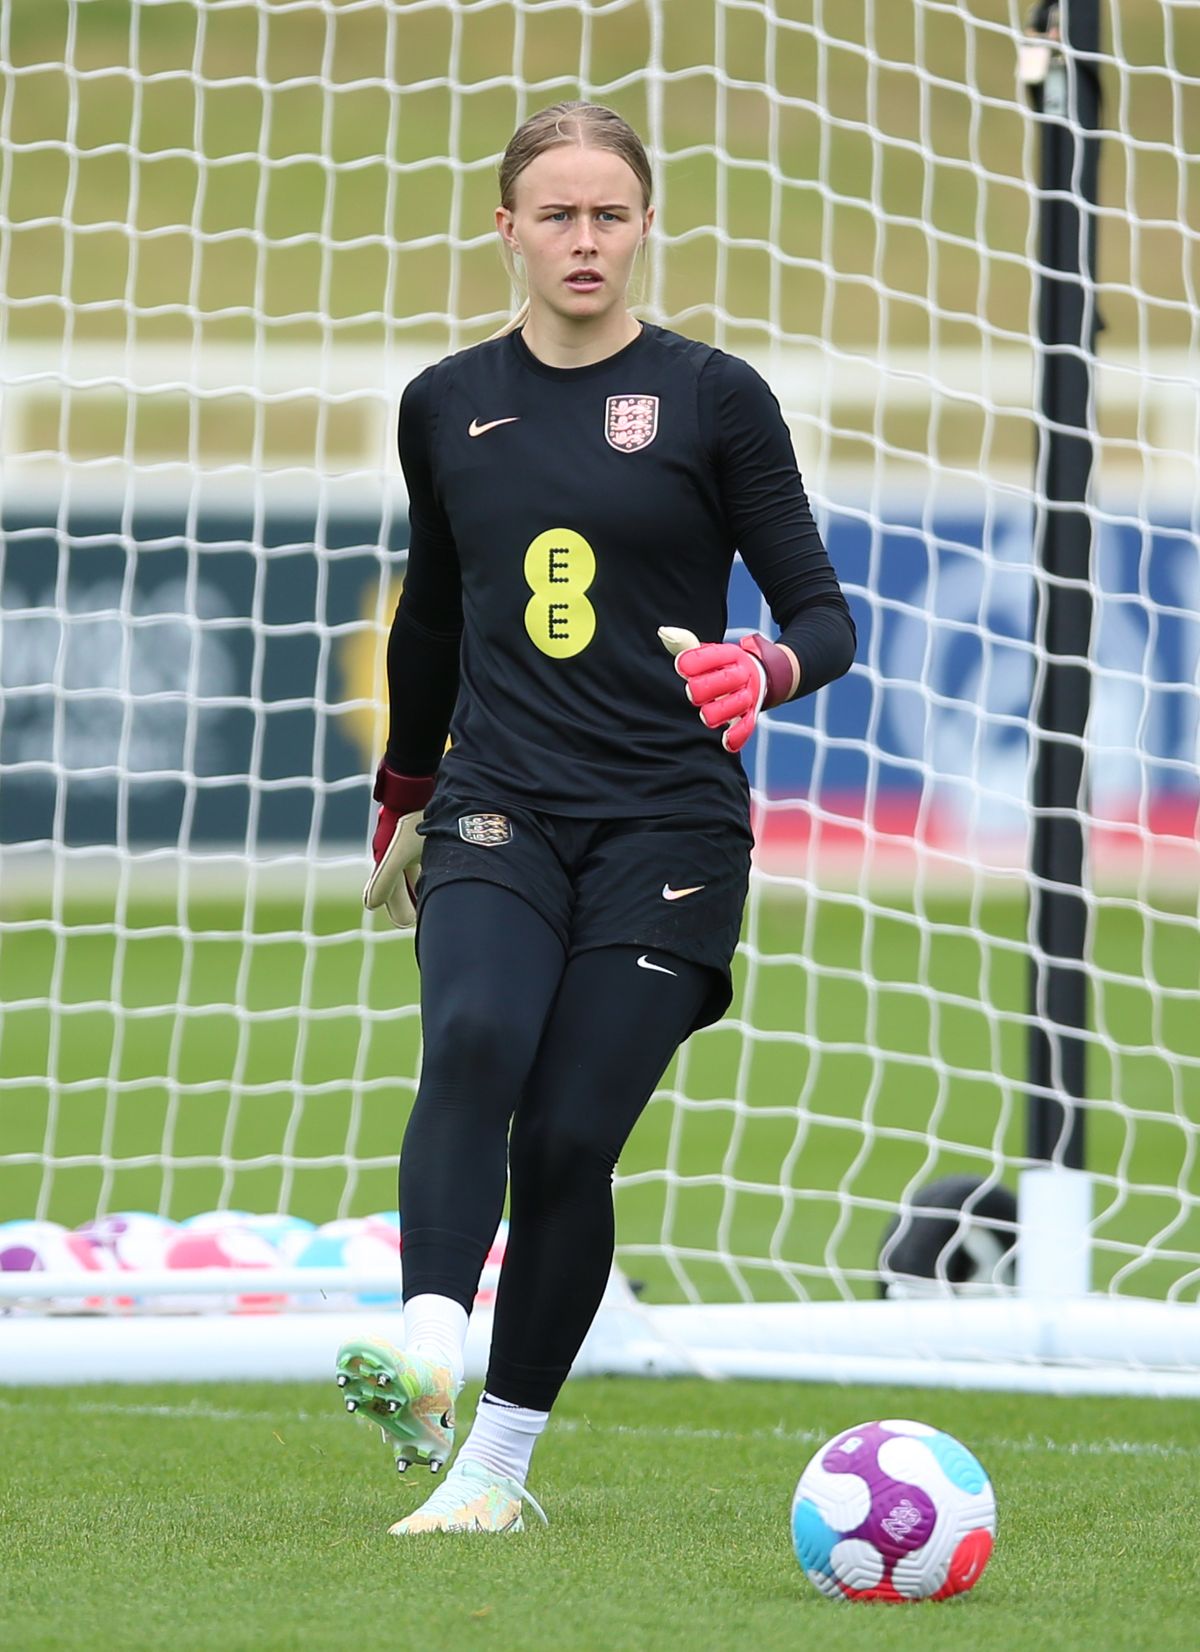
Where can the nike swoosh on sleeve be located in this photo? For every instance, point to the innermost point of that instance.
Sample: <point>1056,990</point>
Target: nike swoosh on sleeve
<point>670,894</point>
<point>477,429</point>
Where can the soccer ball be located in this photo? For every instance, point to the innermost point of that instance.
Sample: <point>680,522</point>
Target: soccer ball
<point>355,1243</point>
<point>44,1247</point>
<point>385,1218</point>
<point>288,1234</point>
<point>489,1279</point>
<point>48,1247</point>
<point>133,1239</point>
<point>893,1511</point>
<point>215,1221</point>
<point>203,1246</point>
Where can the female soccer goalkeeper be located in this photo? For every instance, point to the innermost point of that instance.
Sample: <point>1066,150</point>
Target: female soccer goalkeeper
<point>577,486</point>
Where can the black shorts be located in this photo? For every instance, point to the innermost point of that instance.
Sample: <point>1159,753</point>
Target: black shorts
<point>676,882</point>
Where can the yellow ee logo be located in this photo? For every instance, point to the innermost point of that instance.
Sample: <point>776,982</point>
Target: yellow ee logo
<point>559,567</point>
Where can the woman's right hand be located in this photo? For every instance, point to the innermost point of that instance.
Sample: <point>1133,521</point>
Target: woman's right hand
<point>396,845</point>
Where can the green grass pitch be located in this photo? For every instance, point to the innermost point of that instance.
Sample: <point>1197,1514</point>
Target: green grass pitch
<point>254,1519</point>
<point>269,1052</point>
<point>251,1517</point>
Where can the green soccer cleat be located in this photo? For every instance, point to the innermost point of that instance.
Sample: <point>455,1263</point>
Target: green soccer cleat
<point>410,1398</point>
<point>471,1499</point>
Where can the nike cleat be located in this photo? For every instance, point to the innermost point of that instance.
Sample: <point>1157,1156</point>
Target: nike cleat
<point>471,1498</point>
<point>410,1398</point>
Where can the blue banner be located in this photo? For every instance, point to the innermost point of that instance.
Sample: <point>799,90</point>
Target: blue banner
<point>937,706</point>
<point>206,679</point>
<point>195,681</point>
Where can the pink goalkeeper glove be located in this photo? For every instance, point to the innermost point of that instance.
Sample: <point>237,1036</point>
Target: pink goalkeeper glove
<point>396,846</point>
<point>730,682</point>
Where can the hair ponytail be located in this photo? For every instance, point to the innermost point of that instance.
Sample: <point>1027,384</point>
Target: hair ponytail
<point>513,323</point>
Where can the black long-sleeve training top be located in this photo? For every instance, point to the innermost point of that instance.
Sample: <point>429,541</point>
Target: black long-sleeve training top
<point>558,517</point>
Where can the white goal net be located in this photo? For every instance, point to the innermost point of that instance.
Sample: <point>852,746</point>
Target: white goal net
<point>230,231</point>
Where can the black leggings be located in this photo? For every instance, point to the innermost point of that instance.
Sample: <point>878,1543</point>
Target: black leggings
<point>574,1048</point>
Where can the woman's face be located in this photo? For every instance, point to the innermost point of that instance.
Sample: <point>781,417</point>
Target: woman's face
<point>577,222</point>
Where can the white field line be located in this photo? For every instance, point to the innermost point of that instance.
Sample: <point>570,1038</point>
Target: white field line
<point>1031,1445</point>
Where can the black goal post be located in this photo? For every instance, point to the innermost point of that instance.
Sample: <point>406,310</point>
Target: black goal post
<point>1066,99</point>
<point>961,1230</point>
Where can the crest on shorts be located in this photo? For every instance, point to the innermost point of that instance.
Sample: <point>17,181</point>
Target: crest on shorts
<point>488,830</point>
<point>631,422</point>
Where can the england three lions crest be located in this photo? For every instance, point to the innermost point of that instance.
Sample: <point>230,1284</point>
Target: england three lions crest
<point>488,830</point>
<point>631,422</point>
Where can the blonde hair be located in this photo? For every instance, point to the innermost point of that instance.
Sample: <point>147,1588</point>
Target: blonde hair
<point>591,126</point>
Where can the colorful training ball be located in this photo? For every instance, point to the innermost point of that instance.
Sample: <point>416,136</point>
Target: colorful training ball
<point>893,1511</point>
<point>228,1248</point>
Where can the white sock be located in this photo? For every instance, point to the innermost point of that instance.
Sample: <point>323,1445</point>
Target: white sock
<point>503,1436</point>
<point>436,1328</point>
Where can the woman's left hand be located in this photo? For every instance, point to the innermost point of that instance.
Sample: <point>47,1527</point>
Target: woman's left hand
<point>730,683</point>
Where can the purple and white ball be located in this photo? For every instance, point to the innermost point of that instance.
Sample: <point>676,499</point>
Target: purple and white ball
<point>45,1247</point>
<point>48,1247</point>
<point>893,1511</point>
<point>132,1240</point>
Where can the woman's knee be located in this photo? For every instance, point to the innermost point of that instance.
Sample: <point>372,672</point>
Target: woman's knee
<point>476,1042</point>
<point>560,1153</point>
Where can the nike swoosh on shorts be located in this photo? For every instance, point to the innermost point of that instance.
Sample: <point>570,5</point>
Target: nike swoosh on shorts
<point>477,429</point>
<point>644,963</point>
